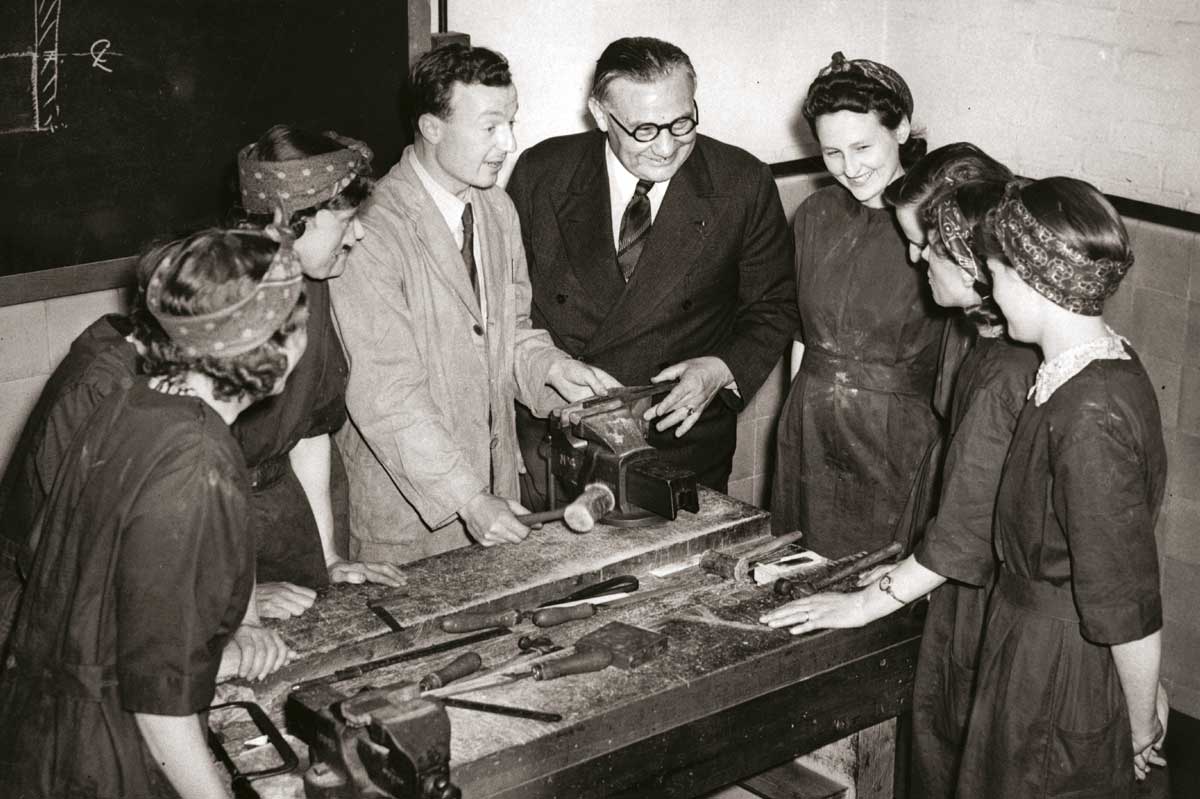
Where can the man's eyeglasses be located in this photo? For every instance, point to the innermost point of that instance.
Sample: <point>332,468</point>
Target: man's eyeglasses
<point>648,131</point>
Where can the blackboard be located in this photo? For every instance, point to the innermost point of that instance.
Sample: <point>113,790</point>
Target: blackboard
<point>120,119</point>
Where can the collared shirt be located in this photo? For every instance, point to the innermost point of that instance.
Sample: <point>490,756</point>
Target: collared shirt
<point>451,208</point>
<point>621,185</point>
<point>1054,373</point>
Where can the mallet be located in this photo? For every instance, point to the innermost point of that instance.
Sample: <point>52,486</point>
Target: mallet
<point>582,513</point>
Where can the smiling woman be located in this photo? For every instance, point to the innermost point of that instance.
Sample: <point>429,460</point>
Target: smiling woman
<point>857,432</point>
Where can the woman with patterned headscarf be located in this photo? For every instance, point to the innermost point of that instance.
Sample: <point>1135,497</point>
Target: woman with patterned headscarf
<point>1068,674</point>
<point>298,503</point>
<point>142,567</point>
<point>953,559</point>
<point>858,422</point>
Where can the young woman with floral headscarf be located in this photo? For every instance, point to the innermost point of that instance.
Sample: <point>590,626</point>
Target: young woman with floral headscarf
<point>1068,674</point>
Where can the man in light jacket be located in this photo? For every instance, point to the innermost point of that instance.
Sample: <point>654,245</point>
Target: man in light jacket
<point>434,313</point>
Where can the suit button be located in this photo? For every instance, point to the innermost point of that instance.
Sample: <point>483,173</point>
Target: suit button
<point>478,330</point>
<point>495,441</point>
<point>687,305</point>
<point>560,298</point>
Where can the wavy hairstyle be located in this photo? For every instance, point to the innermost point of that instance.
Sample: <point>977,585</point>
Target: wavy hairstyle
<point>208,271</point>
<point>940,169</point>
<point>641,59</point>
<point>850,89</point>
<point>431,82</point>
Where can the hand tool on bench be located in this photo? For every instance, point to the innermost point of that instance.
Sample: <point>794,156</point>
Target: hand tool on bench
<point>350,672</point>
<point>580,514</point>
<point>541,617</point>
<point>736,565</point>
<point>793,589</point>
<point>501,710</point>
<point>240,780</point>
<point>465,664</point>
<point>613,587</point>
<point>466,621</point>
<point>578,663</point>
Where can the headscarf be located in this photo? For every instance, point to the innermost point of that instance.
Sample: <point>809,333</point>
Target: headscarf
<point>300,183</point>
<point>874,72</point>
<point>243,326</point>
<point>1054,268</point>
<point>956,236</point>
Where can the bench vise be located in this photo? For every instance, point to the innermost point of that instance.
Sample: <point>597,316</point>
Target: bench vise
<point>381,743</point>
<point>603,440</point>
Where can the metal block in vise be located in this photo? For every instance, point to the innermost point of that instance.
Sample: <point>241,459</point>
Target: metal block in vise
<point>603,439</point>
<point>386,741</point>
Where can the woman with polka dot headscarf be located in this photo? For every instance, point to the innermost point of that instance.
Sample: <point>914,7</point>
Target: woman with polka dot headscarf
<point>314,183</point>
<point>141,567</point>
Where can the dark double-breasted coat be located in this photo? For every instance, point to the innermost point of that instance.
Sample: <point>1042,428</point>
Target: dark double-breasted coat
<point>715,278</point>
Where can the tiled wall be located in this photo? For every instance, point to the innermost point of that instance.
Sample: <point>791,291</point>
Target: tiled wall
<point>33,339</point>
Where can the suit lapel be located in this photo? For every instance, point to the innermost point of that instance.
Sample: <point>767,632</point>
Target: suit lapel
<point>583,218</point>
<point>447,261</point>
<point>677,237</point>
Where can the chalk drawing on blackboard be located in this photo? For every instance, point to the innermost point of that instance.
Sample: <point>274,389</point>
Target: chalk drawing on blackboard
<point>41,115</point>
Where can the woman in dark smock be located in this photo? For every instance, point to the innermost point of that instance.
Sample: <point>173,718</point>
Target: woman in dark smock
<point>299,500</point>
<point>954,557</point>
<point>98,362</point>
<point>1066,703</point>
<point>143,567</point>
<point>858,422</point>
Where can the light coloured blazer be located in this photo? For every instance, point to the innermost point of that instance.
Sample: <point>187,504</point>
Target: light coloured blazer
<point>431,391</point>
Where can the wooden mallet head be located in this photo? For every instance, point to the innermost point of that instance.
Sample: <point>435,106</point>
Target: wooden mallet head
<point>589,507</point>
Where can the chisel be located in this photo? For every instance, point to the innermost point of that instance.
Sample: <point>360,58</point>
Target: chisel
<point>578,663</point>
<point>541,617</point>
<point>461,666</point>
<point>350,672</point>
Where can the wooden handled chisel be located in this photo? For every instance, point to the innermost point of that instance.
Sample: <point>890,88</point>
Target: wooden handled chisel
<point>542,617</point>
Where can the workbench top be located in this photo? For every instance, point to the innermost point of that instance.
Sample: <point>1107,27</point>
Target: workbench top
<point>723,671</point>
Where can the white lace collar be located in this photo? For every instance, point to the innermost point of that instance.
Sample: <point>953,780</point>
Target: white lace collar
<point>1054,373</point>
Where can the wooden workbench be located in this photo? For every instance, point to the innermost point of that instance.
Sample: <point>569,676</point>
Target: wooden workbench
<point>730,697</point>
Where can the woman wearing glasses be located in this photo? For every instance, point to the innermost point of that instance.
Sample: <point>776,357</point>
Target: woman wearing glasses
<point>858,423</point>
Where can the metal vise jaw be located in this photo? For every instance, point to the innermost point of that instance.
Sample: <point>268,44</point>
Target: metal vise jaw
<point>383,742</point>
<point>603,439</point>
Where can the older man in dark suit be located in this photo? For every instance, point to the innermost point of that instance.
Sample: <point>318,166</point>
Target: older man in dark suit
<point>657,254</point>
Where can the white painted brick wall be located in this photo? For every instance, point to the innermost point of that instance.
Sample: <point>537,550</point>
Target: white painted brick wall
<point>1105,90</point>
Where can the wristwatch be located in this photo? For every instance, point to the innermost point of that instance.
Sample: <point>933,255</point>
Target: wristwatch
<point>885,585</point>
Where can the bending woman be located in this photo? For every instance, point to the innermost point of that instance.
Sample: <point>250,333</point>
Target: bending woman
<point>956,550</point>
<point>298,501</point>
<point>142,566</point>
<point>858,421</point>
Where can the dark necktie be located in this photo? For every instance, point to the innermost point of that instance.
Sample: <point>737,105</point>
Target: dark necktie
<point>468,248</point>
<point>635,226</point>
